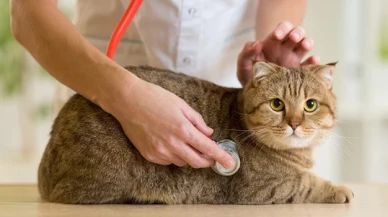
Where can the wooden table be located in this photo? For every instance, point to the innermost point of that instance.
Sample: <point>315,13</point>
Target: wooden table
<point>370,201</point>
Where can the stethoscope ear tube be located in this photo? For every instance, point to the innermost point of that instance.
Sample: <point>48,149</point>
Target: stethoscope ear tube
<point>122,27</point>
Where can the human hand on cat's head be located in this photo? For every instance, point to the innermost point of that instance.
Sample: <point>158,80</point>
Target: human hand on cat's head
<point>285,46</point>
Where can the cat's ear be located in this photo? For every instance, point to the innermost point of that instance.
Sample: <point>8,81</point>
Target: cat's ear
<point>260,70</point>
<point>325,73</point>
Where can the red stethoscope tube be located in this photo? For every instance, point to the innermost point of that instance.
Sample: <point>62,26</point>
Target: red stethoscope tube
<point>122,27</point>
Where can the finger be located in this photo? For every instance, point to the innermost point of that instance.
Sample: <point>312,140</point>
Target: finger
<point>164,156</point>
<point>294,38</point>
<point>177,160</point>
<point>257,51</point>
<point>304,47</point>
<point>259,57</point>
<point>250,50</point>
<point>197,121</point>
<point>157,160</point>
<point>311,60</point>
<point>296,35</point>
<point>192,157</point>
<point>282,30</point>
<point>248,45</point>
<point>209,148</point>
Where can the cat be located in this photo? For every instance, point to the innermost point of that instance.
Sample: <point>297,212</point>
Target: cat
<point>277,120</point>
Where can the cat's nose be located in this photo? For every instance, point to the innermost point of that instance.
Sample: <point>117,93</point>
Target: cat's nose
<point>293,124</point>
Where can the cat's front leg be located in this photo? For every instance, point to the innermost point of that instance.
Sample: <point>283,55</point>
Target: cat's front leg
<point>314,189</point>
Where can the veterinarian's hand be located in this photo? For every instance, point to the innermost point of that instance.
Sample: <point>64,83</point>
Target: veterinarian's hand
<point>285,46</point>
<point>166,130</point>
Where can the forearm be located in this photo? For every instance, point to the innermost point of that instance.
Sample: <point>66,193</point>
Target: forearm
<point>59,48</point>
<point>271,12</point>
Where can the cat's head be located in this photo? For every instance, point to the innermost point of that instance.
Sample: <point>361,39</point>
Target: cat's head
<point>290,108</point>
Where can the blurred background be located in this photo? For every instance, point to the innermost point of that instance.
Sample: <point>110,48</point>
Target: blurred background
<point>353,32</point>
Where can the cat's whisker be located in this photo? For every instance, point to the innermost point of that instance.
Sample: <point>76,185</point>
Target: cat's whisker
<point>340,144</point>
<point>242,134</point>
<point>342,152</point>
<point>336,148</point>
<point>240,130</point>
<point>344,142</point>
<point>240,113</point>
<point>251,138</point>
<point>342,122</point>
<point>338,121</point>
<point>342,136</point>
<point>263,140</point>
<point>261,147</point>
<point>247,137</point>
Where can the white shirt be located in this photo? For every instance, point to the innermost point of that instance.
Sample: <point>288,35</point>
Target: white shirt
<point>201,38</point>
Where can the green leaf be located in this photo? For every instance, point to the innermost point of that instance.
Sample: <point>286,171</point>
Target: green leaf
<point>11,56</point>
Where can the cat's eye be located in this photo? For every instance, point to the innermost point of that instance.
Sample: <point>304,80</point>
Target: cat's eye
<point>277,105</point>
<point>310,105</point>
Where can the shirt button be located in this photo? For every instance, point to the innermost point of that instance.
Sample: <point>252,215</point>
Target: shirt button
<point>192,11</point>
<point>186,60</point>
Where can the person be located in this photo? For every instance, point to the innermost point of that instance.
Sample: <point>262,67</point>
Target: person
<point>200,38</point>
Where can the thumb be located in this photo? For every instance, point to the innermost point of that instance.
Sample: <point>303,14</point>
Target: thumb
<point>311,60</point>
<point>251,50</point>
<point>196,119</point>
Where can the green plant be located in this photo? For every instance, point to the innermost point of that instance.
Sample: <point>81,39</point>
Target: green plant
<point>384,41</point>
<point>11,55</point>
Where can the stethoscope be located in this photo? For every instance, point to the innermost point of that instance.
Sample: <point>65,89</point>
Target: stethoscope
<point>226,144</point>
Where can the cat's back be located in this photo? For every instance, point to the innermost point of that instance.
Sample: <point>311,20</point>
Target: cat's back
<point>178,83</point>
<point>168,79</point>
<point>207,98</point>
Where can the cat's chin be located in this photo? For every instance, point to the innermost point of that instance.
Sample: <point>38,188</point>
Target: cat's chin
<point>289,142</point>
<point>294,141</point>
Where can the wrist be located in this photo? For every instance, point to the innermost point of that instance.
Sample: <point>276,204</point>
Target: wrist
<point>116,93</point>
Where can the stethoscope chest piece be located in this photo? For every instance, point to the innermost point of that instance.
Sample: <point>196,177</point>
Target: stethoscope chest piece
<point>229,146</point>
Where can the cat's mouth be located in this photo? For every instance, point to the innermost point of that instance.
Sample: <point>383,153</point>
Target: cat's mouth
<point>287,138</point>
<point>294,139</point>
<point>290,133</point>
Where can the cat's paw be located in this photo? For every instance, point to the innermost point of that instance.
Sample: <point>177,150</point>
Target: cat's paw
<point>342,194</point>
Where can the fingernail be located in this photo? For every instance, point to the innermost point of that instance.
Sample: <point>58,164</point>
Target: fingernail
<point>255,58</point>
<point>254,44</point>
<point>295,36</point>
<point>307,45</point>
<point>279,33</point>
<point>229,164</point>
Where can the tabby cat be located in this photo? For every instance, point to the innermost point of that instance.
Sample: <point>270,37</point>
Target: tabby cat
<point>277,120</point>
